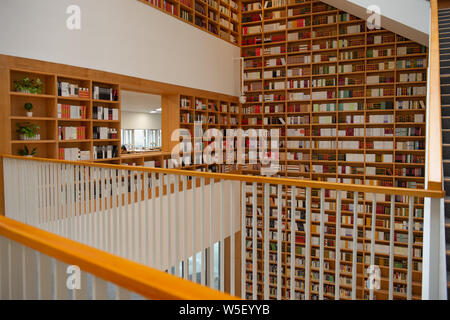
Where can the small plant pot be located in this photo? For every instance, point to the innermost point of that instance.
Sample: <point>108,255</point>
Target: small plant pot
<point>29,114</point>
<point>29,156</point>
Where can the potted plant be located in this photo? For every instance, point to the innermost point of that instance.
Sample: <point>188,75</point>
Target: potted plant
<point>25,152</point>
<point>29,106</point>
<point>28,131</point>
<point>28,85</point>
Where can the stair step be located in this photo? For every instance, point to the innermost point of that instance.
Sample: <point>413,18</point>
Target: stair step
<point>445,150</point>
<point>445,110</point>
<point>445,80</point>
<point>445,88</point>
<point>445,98</point>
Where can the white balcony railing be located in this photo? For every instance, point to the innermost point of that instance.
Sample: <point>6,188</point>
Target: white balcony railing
<point>333,240</point>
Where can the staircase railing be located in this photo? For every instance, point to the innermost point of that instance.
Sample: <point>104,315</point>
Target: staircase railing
<point>434,275</point>
<point>318,240</point>
<point>26,272</point>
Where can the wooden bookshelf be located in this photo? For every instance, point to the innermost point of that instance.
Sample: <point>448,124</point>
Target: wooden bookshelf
<point>218,17</point>
<point>212,114</point>
<point>51,112</point>
<point>350,104</point>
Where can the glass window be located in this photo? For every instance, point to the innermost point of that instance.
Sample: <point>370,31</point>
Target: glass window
<point>138,139</point>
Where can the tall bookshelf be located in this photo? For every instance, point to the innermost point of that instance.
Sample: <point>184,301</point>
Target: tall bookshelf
<point>56,109</point>
<point>217,17</point>
<point>210,114</point>
<point>350,104</point>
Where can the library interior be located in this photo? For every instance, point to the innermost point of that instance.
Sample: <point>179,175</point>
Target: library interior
<point>221,149</point>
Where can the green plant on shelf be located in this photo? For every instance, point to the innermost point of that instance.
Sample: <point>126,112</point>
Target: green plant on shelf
<point>29,107</point>
<point>28,131</point>
<point>25,152</point>
<point>28,85</point>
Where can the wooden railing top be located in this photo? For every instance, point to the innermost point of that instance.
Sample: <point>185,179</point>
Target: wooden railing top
<point>251,179</point>
<point>147,282</point>
<point>434,146</point>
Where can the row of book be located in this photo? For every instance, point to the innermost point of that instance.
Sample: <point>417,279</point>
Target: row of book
<point>103,133</point>
<point>73,154</point>
<point>67,89</point>
<point>103,113</point>
<point>102,93</point>
<point>71,133</point>
<point>66,111</point>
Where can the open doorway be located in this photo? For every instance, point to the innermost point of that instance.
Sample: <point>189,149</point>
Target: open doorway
<point>141,121</point>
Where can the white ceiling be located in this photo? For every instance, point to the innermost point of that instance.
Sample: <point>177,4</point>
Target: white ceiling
<point>140,102</point>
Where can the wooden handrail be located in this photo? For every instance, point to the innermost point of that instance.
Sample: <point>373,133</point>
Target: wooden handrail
<point>149,283</point>
<point>434,146</point>
<point>433,193</point>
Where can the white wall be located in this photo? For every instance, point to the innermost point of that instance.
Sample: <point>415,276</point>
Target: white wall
<point>137,120</point>
<point>409,18</point>
<point>121,36</point>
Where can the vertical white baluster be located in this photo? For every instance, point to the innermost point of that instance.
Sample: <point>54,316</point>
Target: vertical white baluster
<point>279,240</point>
<point>337,269</point>
<point>211,243</point>
<point>146,257</point>
<point>202,231</point>
<point>102,212</point>
<point>107,211</point>
<point>100,289</point>
<point>35,195</point>
<point>243,246</point>
<point>92,207</point>
<point>83,203</point>
<point>133,216</point>
<point>169,226</point>
<point>410,248</point>
<point>194,233</point>
<point>308,245</point>
<point>153,264</point>
<point>293,228</point>
<point>161,219</point>
<point>176,220</point>
<point>255,240</point>
<point>232,243</point>
<point>115,211</point>
<point>30,274</point>
<point>140,205</point>
<point>45,276</point>
<point>60,194</point>
<point>5,266</point>
<point>322,242</point>
<point>185,230</point>
<point>355,244</point>
<point>123,213</point>
<point>97,217</point>
<point>391,248</point>
<point>79,204</point>
<point>222,239</point>
<point>82,293</point>
<point>266,197</point>
<point>61,291</point>
<point>372,241</point>
<point>72,201</point>
<point>128,203</point>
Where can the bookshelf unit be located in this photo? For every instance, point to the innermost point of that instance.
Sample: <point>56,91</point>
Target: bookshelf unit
<point>350,104</point>
<point>64,114</point>
<point>218,17</point>
<point>212,114</point>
